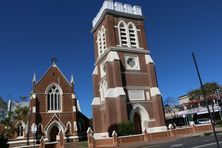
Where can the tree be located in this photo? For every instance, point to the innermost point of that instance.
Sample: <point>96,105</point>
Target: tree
<point>3,104</point>
<point>171,106</point>
<point>20,114</point>
<point>23,98</point>
<point>210,88</point>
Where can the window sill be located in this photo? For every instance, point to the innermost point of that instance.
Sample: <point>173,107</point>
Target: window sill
<point>54,111</point>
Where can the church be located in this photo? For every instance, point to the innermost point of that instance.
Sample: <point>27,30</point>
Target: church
<point>124,77</point>
<point>54,110</point>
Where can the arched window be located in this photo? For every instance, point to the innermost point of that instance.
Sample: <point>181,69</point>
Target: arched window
<point>128,35</point>
<point>40,130</point>
<point>20,130</point>
<point>54,99</point>
<point>68,129</point>
<point>103,90</point>
<point>123,35</point>
<point>101,41</point>
<point>133,35</point>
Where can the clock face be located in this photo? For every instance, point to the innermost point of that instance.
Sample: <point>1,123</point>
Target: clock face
<point>131,62</point>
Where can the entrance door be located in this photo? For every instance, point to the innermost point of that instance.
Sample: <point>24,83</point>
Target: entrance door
<point>54,132</point>
<point>137,123</point>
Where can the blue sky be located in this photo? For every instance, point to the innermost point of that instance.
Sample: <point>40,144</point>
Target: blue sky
<point>32,32</point>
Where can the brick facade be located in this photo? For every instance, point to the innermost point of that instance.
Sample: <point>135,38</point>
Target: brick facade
<point>117,105</point>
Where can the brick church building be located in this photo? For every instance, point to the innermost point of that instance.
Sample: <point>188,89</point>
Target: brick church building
<point>125,82</point>
<point>54,110</point>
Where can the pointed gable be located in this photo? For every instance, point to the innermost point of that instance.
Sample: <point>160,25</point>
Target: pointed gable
<point>53,75</point>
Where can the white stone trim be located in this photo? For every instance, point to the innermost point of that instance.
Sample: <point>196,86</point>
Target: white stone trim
<point>148,59</point>
<point>73,96</point>
<point>75,126</point>
<point>96,101</point>
<point>157,129</point>
<point>33,109</point>
<point>74,108</point>
<point>101,135</point>
<point>33,96</point>
<point>115,92</point>
<point>154,91</point>
<point>55,123</point>
<point>136,94</point>
<point>118,7</point>
<point>95,71</point>
<point>135,58</point>
<point>78,106</point>
<point>112,55</point>
<point>144,116</point>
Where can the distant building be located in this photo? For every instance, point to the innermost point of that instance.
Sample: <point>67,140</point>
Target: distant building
<point>197,108</point>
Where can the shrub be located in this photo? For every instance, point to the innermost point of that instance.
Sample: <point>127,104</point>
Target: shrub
<point>124,129</point>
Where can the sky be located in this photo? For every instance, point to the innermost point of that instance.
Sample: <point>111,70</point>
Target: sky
<point>32,32</point>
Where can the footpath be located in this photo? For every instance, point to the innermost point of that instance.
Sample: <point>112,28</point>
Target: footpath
<point>160,141</point>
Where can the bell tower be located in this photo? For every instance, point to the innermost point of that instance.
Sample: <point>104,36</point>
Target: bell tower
<point>124,78</point>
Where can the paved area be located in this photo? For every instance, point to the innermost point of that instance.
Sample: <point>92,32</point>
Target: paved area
<point>190,141</point>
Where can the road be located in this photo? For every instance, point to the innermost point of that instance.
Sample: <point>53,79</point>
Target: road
<point>191,142</point>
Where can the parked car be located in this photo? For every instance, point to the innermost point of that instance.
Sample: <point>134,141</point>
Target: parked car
<point>203,121</point>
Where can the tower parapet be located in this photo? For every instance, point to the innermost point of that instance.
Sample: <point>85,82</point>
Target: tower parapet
<point>117,7</point>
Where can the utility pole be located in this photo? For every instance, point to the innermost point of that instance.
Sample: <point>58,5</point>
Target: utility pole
<point>206,101</point>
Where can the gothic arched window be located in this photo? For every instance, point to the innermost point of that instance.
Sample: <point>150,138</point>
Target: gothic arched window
<point>133,35</point>
<point>101,41</point>
<point>20,130</point>
<point>128,35</point>
<point>54,99</point>
<point>123,35</point>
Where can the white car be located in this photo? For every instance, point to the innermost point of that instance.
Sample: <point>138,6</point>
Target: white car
<point>203,121</point>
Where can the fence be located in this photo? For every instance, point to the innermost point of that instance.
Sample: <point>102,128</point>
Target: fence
<point>115,141</point>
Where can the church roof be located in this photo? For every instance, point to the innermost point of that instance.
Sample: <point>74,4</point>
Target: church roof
<point>54,66</point>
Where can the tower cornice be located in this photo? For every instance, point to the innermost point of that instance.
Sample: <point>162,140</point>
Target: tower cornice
<point>117,9</point>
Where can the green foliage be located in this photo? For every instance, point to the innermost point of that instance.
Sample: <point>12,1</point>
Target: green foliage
<point>20,114</point>
<point>124,129</point>
<point>209,88</point>
<point>3,104</point>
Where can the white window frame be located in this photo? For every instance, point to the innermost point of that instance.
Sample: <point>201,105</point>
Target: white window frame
<point>136,58</point>
<point>101,41</point>
<point>57,101</point>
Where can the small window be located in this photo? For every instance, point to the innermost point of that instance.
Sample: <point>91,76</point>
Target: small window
<point>20,130</point>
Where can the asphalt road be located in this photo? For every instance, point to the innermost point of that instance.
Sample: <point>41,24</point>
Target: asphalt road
<point>191,142</point>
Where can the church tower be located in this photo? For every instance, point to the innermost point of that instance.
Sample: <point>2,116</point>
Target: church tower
<point>125,83</point>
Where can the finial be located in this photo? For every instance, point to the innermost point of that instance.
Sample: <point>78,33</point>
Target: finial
<point>54,61</point>
<point>72,79</point>
<point>34,78</point>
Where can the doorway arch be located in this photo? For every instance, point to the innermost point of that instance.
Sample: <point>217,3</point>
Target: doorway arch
<point>53,133</point>
<point>140,118</point>
<point>54,129</point>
